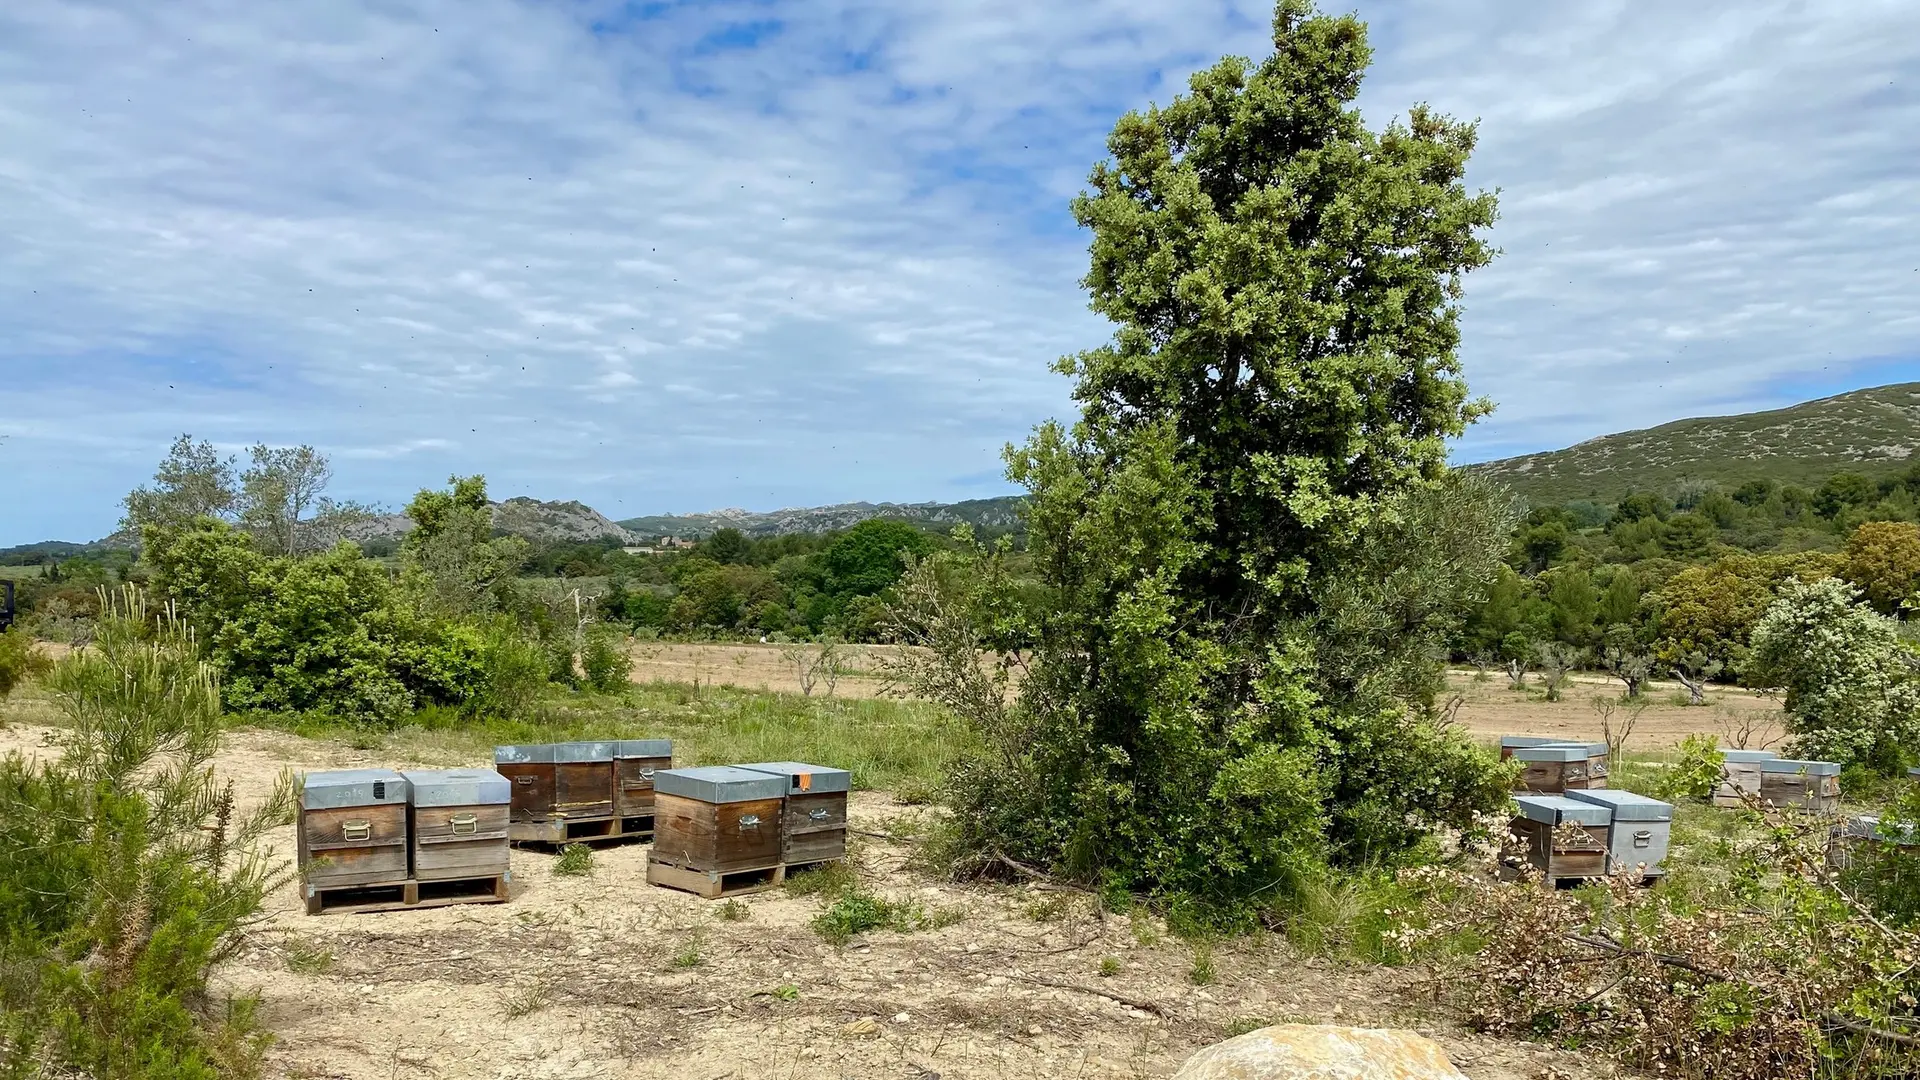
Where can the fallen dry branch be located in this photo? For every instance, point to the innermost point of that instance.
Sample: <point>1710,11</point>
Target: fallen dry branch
<point>1163,1011</point>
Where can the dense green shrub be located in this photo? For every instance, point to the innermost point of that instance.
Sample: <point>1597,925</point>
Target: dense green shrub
<point>1850,688</point>
<point>127,872</point>
<point>604,658</point>
<point>20,659</point>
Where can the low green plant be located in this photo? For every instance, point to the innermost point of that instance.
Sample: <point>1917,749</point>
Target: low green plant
<point>306,957</point>
<point>1241,1025</point>
<point>735,910</point>
<point>20,659</point>
<point>576,860</point>
<point>1109,966</point>
<point>831,879</point>
<point>1049,908</point>
<point>525,1001</point>
<point>787,992</point>
<point>689,955</point>
<point>1202,972</point>
<point>856,912</point>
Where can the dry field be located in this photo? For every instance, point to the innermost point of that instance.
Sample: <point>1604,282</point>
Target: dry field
<point>605,976</point>
<point>1488,708</point>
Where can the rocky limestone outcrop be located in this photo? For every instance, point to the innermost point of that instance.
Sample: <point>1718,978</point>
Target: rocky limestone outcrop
<point>1313,1052</point>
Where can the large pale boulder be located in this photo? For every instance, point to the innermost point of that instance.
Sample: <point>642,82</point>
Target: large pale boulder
<point>1312,1052</point>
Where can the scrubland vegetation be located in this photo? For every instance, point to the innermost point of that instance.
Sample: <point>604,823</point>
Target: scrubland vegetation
<point>1203,680</point>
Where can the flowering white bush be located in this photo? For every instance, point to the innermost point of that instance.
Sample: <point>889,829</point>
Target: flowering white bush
<point>1850,684</point>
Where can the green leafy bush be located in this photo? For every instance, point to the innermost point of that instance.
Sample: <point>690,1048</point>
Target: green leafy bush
<point>19,660</point>
<point>1700,769</point>
<point>856,912</point>
<point>127,871</point>
<point>1851,692</point>
<point>604,659</point>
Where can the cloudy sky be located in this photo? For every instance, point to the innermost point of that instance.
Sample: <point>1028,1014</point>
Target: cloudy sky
<point>666,257</point>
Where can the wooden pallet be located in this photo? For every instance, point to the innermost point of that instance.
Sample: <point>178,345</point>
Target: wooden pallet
<point>561,831</point>
<point>407,895</point>
<point>712,886</point>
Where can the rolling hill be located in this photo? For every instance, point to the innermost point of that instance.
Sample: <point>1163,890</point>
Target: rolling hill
<point>987,515</point>
<point>1870,431</point>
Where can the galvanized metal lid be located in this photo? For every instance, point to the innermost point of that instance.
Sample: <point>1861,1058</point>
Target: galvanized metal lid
<point>1870,827</point>
<point>459,787</point>
<point>719,784</point>
<point>802,777</point>
<point>583,751</point>
<point>352,787</point>
<point>1593,749</point>
<point>1811,768</point>
<point>633,748</point>
<point>1558,809</point>
<point>1553,752</point>
<point>536,754</point>
<point>1913,774</point>
<point>1508,742</point>
<point>1749,756</point>
<point>1626,805</point>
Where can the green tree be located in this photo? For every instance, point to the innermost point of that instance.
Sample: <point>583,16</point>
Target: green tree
<point>1850,684</point>
<point>726,546</point>
<point>872,555</point>
<point>1248,548</point>
<point>1620,601</point>
<point>456,564</point>
<point>1688,534</point>
<point>1842,491</point>
<point>1883,559</point>
<point>1576,603</point>
<point>193,481</point>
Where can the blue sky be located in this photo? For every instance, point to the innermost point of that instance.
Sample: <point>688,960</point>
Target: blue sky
<point>677,256</point>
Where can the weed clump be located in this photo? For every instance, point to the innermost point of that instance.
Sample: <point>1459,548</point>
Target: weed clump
<point>576,860</point>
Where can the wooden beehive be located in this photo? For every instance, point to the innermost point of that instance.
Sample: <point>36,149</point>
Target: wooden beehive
<point>351,829</point>
<point>813,820</point>
<point>1640,832</point>
<point>1807,785</point>
<point>635,761</point>
<point>459,823</point>
<point>1740,776</point>
<point>718,819</point>
<point>555,786</point>
<point>1564,838</point>
<point>1557,767</point>
<point>1867,836</point>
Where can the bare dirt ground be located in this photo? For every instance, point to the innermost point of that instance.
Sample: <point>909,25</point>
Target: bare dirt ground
<point>1488,709</point>
<point>605,976</point>
<point>755,667</point>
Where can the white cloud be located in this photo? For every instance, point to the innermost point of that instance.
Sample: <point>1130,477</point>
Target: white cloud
<point>784,253</point>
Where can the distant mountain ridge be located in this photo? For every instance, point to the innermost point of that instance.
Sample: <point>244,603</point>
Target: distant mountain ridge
<point>1870,431</point>
<point>546,522</point>
<point>997,513</point>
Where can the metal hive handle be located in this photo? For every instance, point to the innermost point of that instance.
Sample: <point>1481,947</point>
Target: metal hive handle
<point>464,824</point>
<point>819,815</point>
<point>646,772</point>
<point>750,821</point>
<point>355,831</point>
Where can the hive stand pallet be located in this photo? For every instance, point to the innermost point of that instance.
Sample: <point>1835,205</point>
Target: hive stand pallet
<point>408,895</point>
<point>712,886</point>
<point>580,831</point>
<point>818,864</point>
<point>1510,873</point>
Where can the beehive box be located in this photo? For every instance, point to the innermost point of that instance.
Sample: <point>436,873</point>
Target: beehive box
<point>459,824</point>
<point>351,829</point>
<point>1640,833</point>
<point>1741,776</point>
<point>1807,785</point>
<point>813,820</point>
<point>1558,767</point>
<point>1510,743</point>
<point>556,787</point>
<point>635,761</point>
<point>716,830</point>
<point>1565,838</point>
<point>1865,835</point>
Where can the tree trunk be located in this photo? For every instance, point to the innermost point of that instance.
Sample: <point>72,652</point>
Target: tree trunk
<point>1696,689</point>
